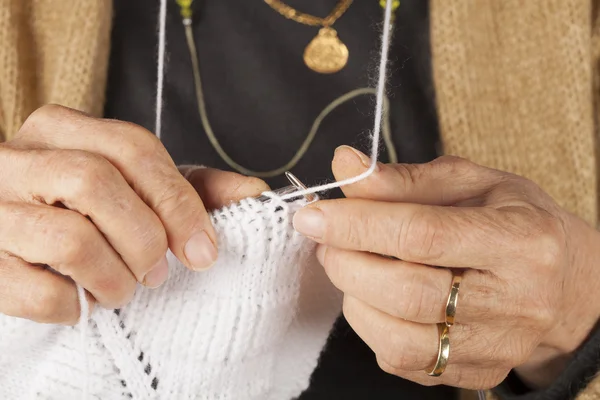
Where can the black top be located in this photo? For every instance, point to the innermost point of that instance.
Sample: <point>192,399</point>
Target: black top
<point>261,97</point>
<point>261,101</point>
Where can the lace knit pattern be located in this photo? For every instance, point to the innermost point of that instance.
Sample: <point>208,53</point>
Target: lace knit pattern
<point>252,327</point>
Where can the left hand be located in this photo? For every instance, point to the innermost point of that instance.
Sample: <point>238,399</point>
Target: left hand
<point>526,298</point>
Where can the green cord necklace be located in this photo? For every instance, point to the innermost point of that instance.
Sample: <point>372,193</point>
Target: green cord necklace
<point>186,14</point>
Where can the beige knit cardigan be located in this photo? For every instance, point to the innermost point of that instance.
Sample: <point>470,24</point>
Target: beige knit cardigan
<point>515,82</point>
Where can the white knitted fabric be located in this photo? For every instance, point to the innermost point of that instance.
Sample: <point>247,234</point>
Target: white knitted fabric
<point>252,327</point>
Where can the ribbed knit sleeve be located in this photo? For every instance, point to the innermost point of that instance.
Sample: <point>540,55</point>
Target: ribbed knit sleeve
<point>52,52</point>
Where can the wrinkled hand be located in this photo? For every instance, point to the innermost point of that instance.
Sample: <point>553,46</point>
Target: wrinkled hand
<point>527,293</point>
<point>98,201</point>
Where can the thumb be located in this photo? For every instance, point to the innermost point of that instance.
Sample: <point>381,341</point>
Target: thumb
<point>444,181</point>
<point>220,188</point>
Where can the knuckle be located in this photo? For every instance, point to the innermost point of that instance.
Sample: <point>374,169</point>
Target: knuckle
<point>357,224</point>
<point>420,237</point>
<point>135,142</point>
<point>409,174</point>
<point>453,164</point>
<point>69,251</point>
<point>154,240</point>
<point>460,167</point>
<point>481,294</point>
<point>72,242</point>
<point>535,312</point>
<point>83,172</point>
<point>46,115</point>
<point>415,301</point>
<point>148,239</point>
<point>549,246</point>
<point>176,196</point>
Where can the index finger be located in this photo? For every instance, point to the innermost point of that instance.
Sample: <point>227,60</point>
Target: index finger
<point>443,236</point>
<point>146,166</point>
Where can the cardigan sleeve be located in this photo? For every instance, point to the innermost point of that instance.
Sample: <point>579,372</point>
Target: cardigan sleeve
<point>581,379</point>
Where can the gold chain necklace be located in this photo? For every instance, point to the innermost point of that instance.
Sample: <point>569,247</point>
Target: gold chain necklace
<point>186,15</point>
<point>326,53</point>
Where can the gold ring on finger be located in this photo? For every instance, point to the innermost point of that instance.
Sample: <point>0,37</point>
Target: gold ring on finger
<point>453,300</point>
<point>443,351</point>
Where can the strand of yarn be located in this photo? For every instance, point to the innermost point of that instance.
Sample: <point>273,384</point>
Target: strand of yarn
<point>83,325</point>
<point>160,75</point>
<point>379,109</point>
<point>83,303</point>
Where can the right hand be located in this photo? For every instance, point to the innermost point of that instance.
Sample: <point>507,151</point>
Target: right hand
<point>100,202</point>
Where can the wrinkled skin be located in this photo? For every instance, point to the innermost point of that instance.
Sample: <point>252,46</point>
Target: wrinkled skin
<point>530,270</point>
<point>100,202</point>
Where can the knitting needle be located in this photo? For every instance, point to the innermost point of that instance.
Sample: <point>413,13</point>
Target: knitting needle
<point>296,185</point>
<point>299,185</point>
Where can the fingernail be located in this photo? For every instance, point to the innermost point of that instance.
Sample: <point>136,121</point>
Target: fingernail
<point>157,275</point>
<point>200,251</point>
<point>364,159</point>
<point>310,222</point>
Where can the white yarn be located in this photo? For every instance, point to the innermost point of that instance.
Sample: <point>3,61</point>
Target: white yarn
<point>379,109</point>
<point>254,336</point>
<point>252,327</point>
<point>383,61</point>
<point>160,75</point>
<point>84,315</point>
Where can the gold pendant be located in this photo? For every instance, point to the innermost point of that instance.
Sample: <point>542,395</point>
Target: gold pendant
<point>326,53</point>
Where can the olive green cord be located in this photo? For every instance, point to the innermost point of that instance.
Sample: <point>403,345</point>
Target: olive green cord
<point>186,14</point>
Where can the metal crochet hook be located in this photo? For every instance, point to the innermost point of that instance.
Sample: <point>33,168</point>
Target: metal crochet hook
<point>296,185</point>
